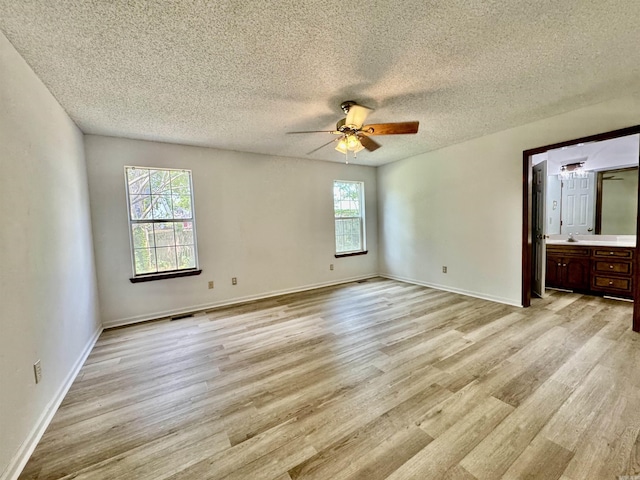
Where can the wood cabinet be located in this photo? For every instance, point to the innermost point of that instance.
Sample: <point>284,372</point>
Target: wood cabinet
<point>568,267</point>
<point>612,271</point>
<point>596,270</point>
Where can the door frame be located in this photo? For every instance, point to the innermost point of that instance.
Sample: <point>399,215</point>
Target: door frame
<point>527,177</point>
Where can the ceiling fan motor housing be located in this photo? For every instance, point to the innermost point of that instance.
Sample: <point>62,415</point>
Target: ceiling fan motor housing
<point>346,105</point>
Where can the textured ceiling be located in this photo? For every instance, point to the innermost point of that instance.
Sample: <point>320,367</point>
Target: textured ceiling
<point>238,75</point>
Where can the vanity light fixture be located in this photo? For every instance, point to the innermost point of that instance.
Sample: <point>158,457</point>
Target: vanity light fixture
<point>573,170</point>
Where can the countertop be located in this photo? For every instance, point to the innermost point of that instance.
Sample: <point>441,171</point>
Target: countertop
<point>602,241</point>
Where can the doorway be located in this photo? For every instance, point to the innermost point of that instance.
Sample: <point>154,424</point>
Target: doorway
<point>529,236</point>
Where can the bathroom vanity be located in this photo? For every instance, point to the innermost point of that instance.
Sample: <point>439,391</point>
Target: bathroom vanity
<point>595,266</point>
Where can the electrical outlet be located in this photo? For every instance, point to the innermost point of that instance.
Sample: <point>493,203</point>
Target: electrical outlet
<point>234,281</point>
<point>331,266</point>
<point>37,371</point>
<point>210,284</point>
<point>444,269</point>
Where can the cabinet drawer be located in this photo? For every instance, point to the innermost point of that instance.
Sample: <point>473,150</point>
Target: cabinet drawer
<point>613,252</point>
<point>612,267</point>
<point>620,284</point>
<point>564,250</point>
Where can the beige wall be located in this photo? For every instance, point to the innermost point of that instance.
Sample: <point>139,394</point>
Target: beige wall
<point>461,206</point>
<point>48,297</point>
<point>266,220</point>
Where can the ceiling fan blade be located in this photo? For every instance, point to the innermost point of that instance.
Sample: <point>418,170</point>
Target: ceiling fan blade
<point>335,132</point>
<point>368,143</point>
<point>322,146</point>
<point>357,115</point>
<point>391,128</point>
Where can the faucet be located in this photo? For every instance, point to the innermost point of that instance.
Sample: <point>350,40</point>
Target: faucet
<point>571,239</point>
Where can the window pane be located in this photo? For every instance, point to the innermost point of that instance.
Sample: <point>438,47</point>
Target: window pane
<point>140,207</point>
<point>184,233</point>
<point>142,235</point>
<point>164,235</point>
<point>160,182</point>
<point>145,260</point>
<point>180,182</point>
<point>166,258</point>
<point>348,234</point>
<point>186,256</point>
<point>138,181</point>
<point>161,207</point>
<point>346,199</point>
<point>182,206</point>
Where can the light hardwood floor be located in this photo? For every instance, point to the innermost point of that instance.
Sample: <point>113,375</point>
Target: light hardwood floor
<point>371,380</point>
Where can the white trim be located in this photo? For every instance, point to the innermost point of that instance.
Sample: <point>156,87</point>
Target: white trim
<point>19,460</point>
<point>483,296</point>
<point>618,298</point>
<point>361,217</point>
<point>206,306</point>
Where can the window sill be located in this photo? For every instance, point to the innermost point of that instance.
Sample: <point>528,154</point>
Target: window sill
<point>164,276</point>
<point>351,254</point>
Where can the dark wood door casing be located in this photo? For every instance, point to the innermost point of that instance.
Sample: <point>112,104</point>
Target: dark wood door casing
<point>527,270</point>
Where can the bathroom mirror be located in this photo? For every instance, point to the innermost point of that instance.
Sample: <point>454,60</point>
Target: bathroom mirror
<point>616,202</point>
<point>599,197</point>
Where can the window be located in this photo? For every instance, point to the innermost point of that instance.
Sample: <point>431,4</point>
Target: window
<point>161,221</point>
<point>348,206</point>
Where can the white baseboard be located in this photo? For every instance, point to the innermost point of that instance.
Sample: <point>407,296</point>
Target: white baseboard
<point>18,462</point>
<point>197,308</point>
<point>483,296</point>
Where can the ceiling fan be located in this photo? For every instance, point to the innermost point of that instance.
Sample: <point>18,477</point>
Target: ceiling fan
<point>353,135</point>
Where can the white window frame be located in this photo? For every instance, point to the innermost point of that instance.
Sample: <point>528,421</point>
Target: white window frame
<point>361,218</point>
<point>195,270</point>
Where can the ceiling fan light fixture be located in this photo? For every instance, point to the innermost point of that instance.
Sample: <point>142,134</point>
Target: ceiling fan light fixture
<point>352,142</point>
<point>349,143</point>
<point>342,145</point>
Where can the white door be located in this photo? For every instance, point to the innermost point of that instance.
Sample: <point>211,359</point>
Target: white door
<point>538,214</point>
<point>578,202</point>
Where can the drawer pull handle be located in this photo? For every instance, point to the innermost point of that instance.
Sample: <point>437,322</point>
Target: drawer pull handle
<point>610,253</point>
<point>559,264</point>
<point>610,266</point>
<point>564,264</point>
<point>610,283</point>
